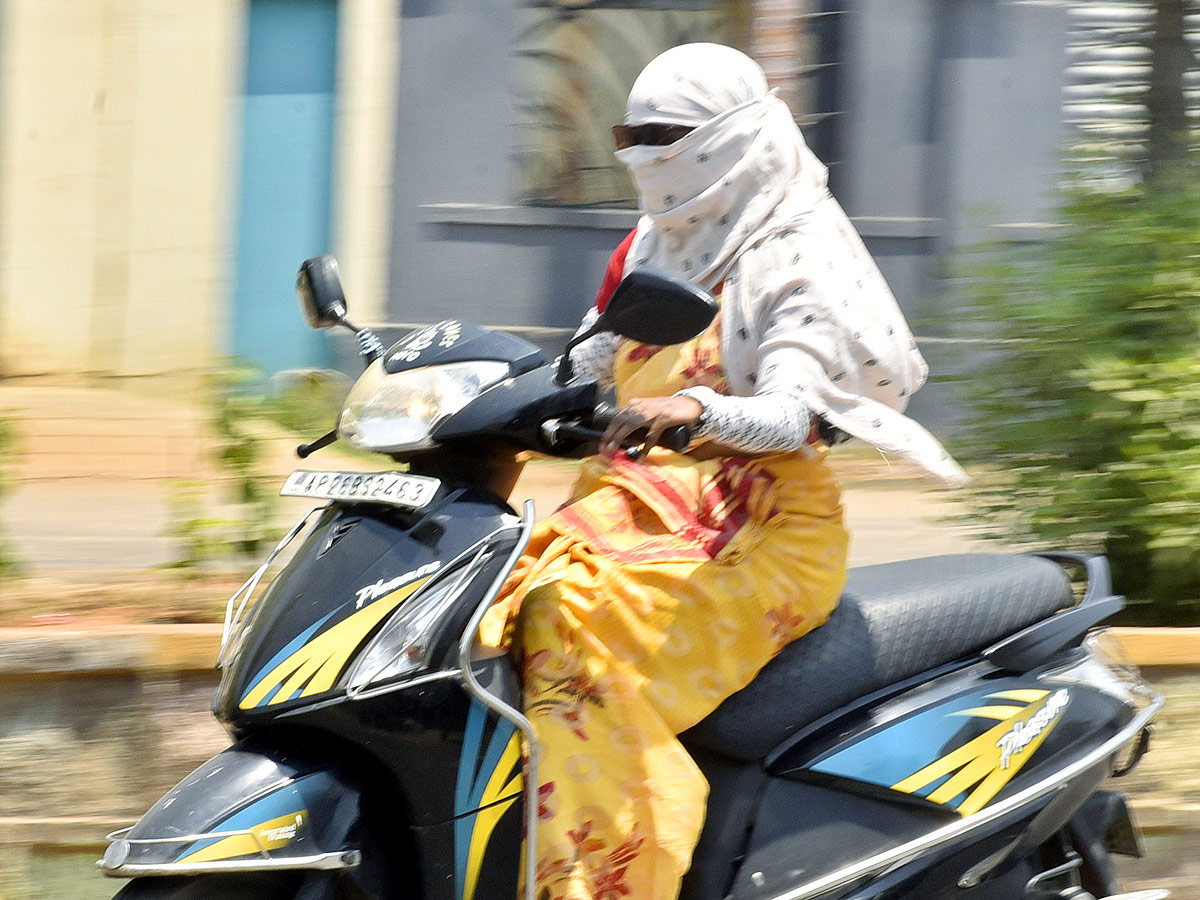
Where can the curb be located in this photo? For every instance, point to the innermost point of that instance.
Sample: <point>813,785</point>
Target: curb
<point>50,651</point>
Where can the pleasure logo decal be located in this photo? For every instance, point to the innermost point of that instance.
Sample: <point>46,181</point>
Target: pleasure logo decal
<point>1024,733</point>
<point>980,768</point>
<point>381,587</point>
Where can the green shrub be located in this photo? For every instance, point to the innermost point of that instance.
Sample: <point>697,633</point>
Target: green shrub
<point>307,401</point>
<point>1085,424</point>
<point>245,495</point>
<point>235,517</point>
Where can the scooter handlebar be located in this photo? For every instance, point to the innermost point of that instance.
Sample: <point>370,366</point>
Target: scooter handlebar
<point>677,438</point>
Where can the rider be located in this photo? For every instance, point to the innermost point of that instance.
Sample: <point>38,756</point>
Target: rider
<point>666,583</point>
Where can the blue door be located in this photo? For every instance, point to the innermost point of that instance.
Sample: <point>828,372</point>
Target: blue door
<point>286,178</point>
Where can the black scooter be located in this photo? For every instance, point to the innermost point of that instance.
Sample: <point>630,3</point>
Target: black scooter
<point>949,733</point>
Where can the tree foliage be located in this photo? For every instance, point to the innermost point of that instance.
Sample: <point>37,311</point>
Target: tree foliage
<point>1086,416</point>
<point>1086,424</point>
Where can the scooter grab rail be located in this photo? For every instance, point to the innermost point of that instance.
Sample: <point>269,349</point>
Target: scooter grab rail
<point>497,705</point>
<point>232,618</point>
<point>119,868</point>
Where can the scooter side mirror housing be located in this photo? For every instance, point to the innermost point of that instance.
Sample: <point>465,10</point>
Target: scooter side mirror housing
<point>319,288</point>
<point>650,307</point>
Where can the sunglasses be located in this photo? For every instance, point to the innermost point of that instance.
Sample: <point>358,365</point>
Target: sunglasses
<point>653,134</point>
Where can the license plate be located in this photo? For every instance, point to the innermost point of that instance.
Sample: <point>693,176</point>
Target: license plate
<point>390,488</point>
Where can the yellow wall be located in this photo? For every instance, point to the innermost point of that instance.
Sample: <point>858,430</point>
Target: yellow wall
<point>114,172</point>
<point>117,142</point>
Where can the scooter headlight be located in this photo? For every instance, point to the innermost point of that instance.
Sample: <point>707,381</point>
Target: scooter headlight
<point>391,412</point>
<point>407,642</point>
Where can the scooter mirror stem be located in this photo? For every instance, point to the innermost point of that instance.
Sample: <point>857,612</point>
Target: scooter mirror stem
<point>565,370</point>
<point>370,347</point>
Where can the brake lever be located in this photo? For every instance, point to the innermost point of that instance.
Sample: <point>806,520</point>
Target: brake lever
<point>304,450</point>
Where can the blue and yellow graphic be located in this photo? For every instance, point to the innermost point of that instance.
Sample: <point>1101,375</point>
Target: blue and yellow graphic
<point>986,764</point>
<point>270,823</point>
<point>968,777</point>
<point>310,665</point>
<point>485,791</point>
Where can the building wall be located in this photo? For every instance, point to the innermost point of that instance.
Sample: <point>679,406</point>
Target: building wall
<point>941,121</point>
<point>493,95</point>
<point>114,140</point>
<point>119,128</point>
<point>950,135</point>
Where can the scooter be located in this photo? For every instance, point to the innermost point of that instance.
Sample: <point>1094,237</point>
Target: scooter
<point>951,731</point>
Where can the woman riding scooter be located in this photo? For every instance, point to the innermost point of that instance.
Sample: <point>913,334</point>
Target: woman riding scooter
<point>668,580</point>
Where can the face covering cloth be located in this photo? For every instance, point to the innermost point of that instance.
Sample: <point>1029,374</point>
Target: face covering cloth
<point>742,203</point>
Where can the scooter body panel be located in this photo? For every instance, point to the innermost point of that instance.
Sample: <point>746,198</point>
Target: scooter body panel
<point>356,566</point>
<point>254,806</point>
<point>967,740</point>
<point>933,759</point>
<point>297,799</point>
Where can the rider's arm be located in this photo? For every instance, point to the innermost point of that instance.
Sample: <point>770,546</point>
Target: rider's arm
<point>594,357</point>
<point>775,418</point>
<point>768,422</point>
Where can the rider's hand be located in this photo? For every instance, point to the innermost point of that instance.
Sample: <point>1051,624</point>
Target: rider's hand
<point>655,414</point>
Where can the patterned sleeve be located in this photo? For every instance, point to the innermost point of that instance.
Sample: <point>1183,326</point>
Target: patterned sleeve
<point>770,422</point>
<point>594,357</point>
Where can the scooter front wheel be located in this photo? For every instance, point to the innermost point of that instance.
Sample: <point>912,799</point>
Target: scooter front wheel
<point>248,886</point>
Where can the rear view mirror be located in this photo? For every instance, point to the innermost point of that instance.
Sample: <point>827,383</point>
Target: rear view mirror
<point>320,290</point>
<point>653,307</point>
<point>650,307</point>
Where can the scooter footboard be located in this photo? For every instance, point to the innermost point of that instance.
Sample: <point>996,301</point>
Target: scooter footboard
<point>248,809</point>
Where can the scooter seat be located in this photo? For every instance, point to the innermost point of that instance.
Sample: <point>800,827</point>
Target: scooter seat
<point>893,622</point>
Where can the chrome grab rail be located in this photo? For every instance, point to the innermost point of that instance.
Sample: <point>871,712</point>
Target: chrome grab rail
<point>467,573</point>
<point>497,705</point>
<point>343,859</point>
<point>347,859</point>
<point>232,619</point>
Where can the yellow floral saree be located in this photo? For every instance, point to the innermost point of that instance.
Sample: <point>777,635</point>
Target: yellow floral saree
<point>659,589</point>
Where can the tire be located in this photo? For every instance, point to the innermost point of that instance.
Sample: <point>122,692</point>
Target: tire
<point>250,886</point>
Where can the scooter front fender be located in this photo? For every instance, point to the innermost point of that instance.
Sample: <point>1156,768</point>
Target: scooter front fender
<point>252,808</point>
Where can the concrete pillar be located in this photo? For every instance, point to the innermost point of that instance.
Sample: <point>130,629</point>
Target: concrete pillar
<point>368,65</point>
<point>778,41</point>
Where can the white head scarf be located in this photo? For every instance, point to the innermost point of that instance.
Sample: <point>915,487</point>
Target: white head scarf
<point>708,195</point>
<point>741,199</point>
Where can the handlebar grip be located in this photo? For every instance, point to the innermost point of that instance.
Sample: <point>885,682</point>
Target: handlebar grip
<point>678,438</point>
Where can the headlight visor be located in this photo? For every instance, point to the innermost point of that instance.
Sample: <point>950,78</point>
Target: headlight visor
<point>387,413</point>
